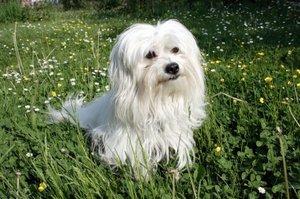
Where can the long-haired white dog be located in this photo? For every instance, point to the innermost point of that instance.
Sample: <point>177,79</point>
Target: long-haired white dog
<point>155,102</point>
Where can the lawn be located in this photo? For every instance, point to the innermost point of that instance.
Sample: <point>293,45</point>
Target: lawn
<point>248,147</point>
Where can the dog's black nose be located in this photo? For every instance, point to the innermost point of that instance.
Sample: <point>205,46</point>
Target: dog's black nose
<point>172,68</point>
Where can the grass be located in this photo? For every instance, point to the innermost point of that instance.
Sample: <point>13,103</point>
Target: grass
<point>253,83</point>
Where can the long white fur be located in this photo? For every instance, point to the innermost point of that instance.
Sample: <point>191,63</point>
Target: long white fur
<point>145,115</point>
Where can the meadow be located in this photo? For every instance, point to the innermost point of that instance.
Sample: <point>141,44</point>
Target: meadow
<point>248,147</point>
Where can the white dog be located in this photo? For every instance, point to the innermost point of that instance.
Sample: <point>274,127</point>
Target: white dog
<point>156,98</point>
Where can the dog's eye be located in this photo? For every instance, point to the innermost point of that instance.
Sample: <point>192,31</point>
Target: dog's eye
<point>175,50</point>
<point>151,54</point>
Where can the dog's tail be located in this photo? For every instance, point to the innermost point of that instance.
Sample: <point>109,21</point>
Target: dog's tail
<point>69,110</point>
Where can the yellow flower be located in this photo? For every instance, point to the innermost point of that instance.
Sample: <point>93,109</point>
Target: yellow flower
<point>58,85</point>
<point>218,150</point>
<point>53,94</point>
<point>42,186</point>
<point>261,53</point>
<point>298,85</point>
<point>261,100</point>
<point>26,78</point>
<point>268,79</point>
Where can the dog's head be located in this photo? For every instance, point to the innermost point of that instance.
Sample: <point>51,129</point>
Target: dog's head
<point>157,70</point>
<point>157,58</point>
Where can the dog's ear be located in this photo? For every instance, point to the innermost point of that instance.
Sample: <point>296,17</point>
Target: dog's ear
<point>197,103</point>
<point>118,71</point>
<point>197,80</point>
<point>122,83</point>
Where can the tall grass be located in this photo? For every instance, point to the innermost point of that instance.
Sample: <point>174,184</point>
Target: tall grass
<point>11,11</point>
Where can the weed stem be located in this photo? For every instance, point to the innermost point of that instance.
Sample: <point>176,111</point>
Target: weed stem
<point>286,182</point>
<point>19,60</point>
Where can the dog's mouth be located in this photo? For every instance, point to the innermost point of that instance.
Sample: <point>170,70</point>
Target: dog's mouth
<point>174,77</point>
<point>171,78</point>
